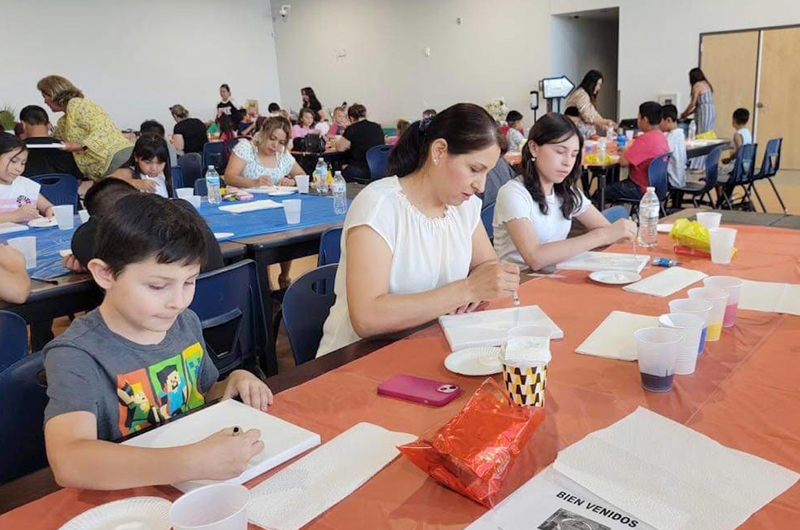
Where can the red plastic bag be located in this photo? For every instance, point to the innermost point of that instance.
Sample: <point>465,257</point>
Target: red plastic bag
<point>474,452</point>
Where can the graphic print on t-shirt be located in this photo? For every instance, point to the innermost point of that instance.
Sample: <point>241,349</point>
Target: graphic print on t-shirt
<point>151,395</point>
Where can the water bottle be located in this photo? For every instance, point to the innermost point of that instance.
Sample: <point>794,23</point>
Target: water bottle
<point>692,130</point>
<point>601,150</point>
<point>212,183</point>
<point>321,177</point>
<point>339,188</point>
<point>649,207</point>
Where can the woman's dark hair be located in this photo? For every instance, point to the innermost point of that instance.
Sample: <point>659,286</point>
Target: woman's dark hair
<point>356,111</point>
<point>226,87</point>
<point>313,102</point>
<point>225,123</point>
<point>513,116</point>
<point>465,127</point>
<point>696,75</point>
<point>552,128</point>
<point>302,112</point>
<point>589,82</point>
<point>572,111</point>
<point>143,226</point>
<point>9,142</point>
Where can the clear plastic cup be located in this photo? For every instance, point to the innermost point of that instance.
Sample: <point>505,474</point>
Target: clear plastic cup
<point>733,286</point>
<point>524,357</point>
<point>302,183</point>
<point>65,216</point>
<point>84,215</point>
<point>27,247</point>
<point>184,193</point>
<point>722,240</point>
<point>691,327</point>
<point>195,200</point>
<point>629,135</point>
<point>709,219</point>
<point>719,300</point>
<point>215,507</point>
<point>694,306</point>
<point>657,350</point>
<point>291,208</point>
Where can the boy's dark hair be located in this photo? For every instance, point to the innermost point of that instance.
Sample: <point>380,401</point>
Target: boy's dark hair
<point>152,127</point>
<point>273,107</point>
<point>146,225</point>
<point>356,111</point>
<point>741,116</point>
<point>102,197</point>
<point>572,111</point>
<point>34,115</point>
<point>513,116</point>
<point>669,111</point>
<point>651,111</point>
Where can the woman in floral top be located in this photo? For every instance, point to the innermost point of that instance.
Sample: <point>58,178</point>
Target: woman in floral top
<point>584,97</point>
<point>86,129</point>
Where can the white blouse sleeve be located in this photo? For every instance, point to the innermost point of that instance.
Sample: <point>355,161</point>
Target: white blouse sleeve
<point>375,211</point>
<point>583,205</point>
<point>513,202</point>
<point>243,150</point>
<point>287,163</point>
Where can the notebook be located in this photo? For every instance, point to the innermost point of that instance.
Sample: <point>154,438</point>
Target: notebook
<point>605,261</point>
<point>490,328</point>
<point>667,282</point>
<point>282,440</point>
<point>614,339</point>
<point>251,206</point>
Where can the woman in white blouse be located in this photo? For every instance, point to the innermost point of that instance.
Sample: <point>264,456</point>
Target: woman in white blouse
<point>264,161</point>
<point>534,211</point>
<point>413,245</point>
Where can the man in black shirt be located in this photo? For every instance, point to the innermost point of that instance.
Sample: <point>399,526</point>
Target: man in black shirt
<point>359,138</point>
<point>43,161</point>
<point>192,131</point>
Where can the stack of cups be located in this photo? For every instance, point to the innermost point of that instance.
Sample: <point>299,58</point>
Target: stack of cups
<point>525,356</point>
<point>719,301</point>
<point>690,327</point>
<point>701,308</point>
<point>657,350</point>
<point>733,286</point>
<point>219,506</point>
<point>709,220</point>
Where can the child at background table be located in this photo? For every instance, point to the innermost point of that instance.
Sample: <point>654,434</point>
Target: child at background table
<point>15,284</point>
<point>402,126</point>
<point>534,211</point>
<point>145,169</point>
<point>516,131</point>
<point>340,121</point>
<point>140,359</point>
<point>676,170</point>
<point>741,136</point>
<point>20,200</point>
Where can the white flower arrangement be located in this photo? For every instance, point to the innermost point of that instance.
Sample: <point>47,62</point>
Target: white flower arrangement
<point>497,109</point>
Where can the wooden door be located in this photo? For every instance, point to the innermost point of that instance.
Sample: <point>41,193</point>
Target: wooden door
<point>779,94</point>
<point>730,62</point>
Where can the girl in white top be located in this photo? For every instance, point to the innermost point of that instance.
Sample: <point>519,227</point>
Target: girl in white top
<point>533,213</point>
<point>413,245</point>
<point>145,169</point>
<point>20,200</point>
<point>265,161</point>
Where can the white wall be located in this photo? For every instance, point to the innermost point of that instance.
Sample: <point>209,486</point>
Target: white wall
<point>659,40</point>
<point>501,49</point>
<point>137,57</point>
<point>583,44</point>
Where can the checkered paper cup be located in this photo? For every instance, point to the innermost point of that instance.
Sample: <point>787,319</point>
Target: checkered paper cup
<point>525,356</point>
<point>525,384</point>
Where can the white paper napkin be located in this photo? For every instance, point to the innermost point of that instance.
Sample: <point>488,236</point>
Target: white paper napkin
<point>667,282</point>
<point>307,488</point>
<point>614,339</point>
<point>8,228</point>
<point>670,476</point>
<point>251,206</point>
<point>770,297</point>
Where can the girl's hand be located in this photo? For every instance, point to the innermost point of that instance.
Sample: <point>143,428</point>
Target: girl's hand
<point>71,262</point>
<point>25,213</point>
<point>148,186</point>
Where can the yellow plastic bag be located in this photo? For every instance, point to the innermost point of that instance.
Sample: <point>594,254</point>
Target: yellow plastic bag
<point>708,135</point>
<point>691,234</point>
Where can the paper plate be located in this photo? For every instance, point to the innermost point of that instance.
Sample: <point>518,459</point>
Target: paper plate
<point>136,513</point>
<point>615,277</point>
<point>484,360</point>
<point>665,228</point>
<point>43,222</point>
<point>223,235</point>
<point>281,193</point>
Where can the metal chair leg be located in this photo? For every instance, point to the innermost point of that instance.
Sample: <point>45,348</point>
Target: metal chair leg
<point>758,196</point>
<point>775,189</point>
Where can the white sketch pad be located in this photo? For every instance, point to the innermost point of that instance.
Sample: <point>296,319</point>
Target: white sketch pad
<point>490,328</point>
<point>605,261</point>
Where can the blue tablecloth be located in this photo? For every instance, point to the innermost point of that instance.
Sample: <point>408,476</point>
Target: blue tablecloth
<point>314,211</point>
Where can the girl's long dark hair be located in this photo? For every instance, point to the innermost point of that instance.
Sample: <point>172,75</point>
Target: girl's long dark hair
<point>553,128</point>
<point>313,102</point>
<point>464,126</point>
<point>9,143</point>
<point>696,75</point>
<point>148,147</point>
<point>589,82</point>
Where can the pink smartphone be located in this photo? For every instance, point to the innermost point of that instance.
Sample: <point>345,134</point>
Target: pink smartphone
<point>421,390</point>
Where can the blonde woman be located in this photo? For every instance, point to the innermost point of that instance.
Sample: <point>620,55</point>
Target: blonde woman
<point>85,128</point>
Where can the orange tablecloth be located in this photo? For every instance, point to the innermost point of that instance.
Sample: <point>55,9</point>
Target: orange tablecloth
<point>745,394</point>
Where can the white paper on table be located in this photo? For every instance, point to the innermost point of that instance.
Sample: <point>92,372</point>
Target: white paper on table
<point>282,440</point>
<point>253,206</point>
<point>770,297</point>
<point>667,282</point>
<point>614,339</point>
<point>315,483</point>
<point>490,328</point>
<point>605,261</point>
<point>46,146</point>
<point>8,228</point>
<point>271,189</point>
<point>550,500</point>
<point>671,476</point>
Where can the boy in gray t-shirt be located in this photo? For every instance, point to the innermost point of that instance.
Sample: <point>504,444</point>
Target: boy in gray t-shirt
<point>139,359</point>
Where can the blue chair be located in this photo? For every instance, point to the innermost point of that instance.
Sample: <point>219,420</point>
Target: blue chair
<point>59,188</point>
<point>697,191</point>
<point>177,179</point>
<point>13,339</point>
<point>200,187</point>
<point>23,394</point>
<point>330,247</point>
<point>769,168</point>
<point>657,178</point>
<point>191,165</point>
<point>378,160</point>
<point>305,307</point>
<point>487,216</point>
<point>228,303</point>
<point>742,175</point>
<point>213,153</point>
<point>615,213</point>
